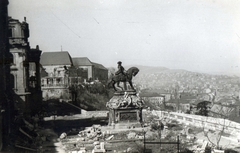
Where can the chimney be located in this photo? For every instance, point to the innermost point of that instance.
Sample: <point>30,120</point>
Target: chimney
<point>25,19</point>
<point>37,47</point>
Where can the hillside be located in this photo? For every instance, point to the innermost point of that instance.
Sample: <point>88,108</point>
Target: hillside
<point>186,81</point>
<point>148,69</point>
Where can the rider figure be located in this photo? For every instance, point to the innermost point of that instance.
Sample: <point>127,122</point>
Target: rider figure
<point>121,69</point>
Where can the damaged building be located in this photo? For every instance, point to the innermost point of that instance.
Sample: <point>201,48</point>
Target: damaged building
<point>24,69</point>
<point>15,88</point>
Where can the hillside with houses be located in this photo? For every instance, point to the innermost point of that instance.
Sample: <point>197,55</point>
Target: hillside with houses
<point>184,90</point>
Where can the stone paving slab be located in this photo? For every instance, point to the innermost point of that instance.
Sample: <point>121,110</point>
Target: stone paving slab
<point>86,115</point>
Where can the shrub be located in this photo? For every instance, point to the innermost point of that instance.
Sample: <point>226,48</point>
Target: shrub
<point>156,126</point>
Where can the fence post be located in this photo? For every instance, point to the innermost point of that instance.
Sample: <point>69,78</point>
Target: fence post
<point>143,141</point>
<point>178,143</point>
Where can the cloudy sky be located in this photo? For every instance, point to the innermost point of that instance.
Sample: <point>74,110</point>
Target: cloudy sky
<point>195,35</point>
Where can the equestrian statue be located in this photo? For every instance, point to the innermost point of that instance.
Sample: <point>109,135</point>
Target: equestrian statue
<point>123,76</point>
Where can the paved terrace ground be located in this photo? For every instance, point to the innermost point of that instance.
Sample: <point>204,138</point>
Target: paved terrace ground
<point>72,124</point>
<point>84,115</point>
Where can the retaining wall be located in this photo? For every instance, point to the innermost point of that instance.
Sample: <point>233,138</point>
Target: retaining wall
<point>212,123</point>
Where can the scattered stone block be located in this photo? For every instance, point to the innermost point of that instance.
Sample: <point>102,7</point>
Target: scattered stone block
<point>98,151</point>
<point>129,149</point>
<point>82,139</point>
<point>97,147</point>
<point>218,151</point>
<point>109,138</point>
<point>96,143</point>
<point>97,126</point>
<point>131,135</point>
<point>102,145</point>
<point>63,135</point>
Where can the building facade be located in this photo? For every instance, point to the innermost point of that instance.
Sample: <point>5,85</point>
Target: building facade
<point>6,101</point>
<point>56,65</point>
<point>24,82</point>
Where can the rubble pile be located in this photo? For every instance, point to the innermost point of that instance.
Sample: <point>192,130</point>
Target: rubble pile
<point>32,137</point>
<point>92,133</point>
<point>88,139</point>
<point>97,138</point>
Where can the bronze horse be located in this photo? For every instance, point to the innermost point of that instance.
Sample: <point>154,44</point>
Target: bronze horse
<point>133,71</point>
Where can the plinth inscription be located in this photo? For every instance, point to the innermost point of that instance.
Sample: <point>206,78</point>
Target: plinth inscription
<point>128,116</point>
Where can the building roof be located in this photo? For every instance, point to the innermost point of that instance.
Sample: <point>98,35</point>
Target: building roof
<point>56,58</point>
<point>84,61</point>
<point>99,66</point>
<point>81,61</point>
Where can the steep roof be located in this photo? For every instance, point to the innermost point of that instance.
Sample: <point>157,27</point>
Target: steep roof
<point>81,61</point>
<point>56,58</point>
<point>99,66</point>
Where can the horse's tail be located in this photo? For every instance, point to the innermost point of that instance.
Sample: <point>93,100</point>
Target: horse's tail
<point>109,84</point>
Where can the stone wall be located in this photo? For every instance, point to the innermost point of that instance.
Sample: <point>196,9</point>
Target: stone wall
<point>212,123</point>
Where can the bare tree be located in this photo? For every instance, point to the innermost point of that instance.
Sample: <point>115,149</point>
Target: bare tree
<point>215,136</point>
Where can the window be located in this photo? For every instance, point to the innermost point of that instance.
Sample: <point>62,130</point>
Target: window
<point>10,33</point>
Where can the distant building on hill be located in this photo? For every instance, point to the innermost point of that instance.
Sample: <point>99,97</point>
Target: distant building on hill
<point>154,100</point>
<point>56,83</point>
<point>63,71</point>
<point>95,71</point>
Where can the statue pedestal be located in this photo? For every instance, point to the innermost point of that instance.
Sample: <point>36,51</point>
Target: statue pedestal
<point>125,107</point>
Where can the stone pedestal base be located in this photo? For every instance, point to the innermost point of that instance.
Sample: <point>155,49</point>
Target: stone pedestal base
<point>125,107</point>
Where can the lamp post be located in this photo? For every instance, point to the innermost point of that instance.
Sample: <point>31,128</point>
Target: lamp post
<point>143,140</point>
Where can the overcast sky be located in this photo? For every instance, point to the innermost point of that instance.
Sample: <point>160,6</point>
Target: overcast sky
<point>195,35</point>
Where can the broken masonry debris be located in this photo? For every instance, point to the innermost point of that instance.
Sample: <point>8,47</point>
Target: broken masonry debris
<point>110,137</point>
<point>63,135</point>
<point>131,135</point>
<point>98,147</point>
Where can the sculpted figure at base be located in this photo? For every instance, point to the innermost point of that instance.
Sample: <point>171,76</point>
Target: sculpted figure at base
<point>122,76</point>
<point>125,101</point>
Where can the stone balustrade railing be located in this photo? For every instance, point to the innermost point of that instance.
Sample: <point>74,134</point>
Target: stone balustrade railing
<point>212,123</point>
<point>51,86</point>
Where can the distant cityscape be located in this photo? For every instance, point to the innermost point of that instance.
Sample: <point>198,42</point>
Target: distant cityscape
<point>38,85</point>
<point>188,89</point>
